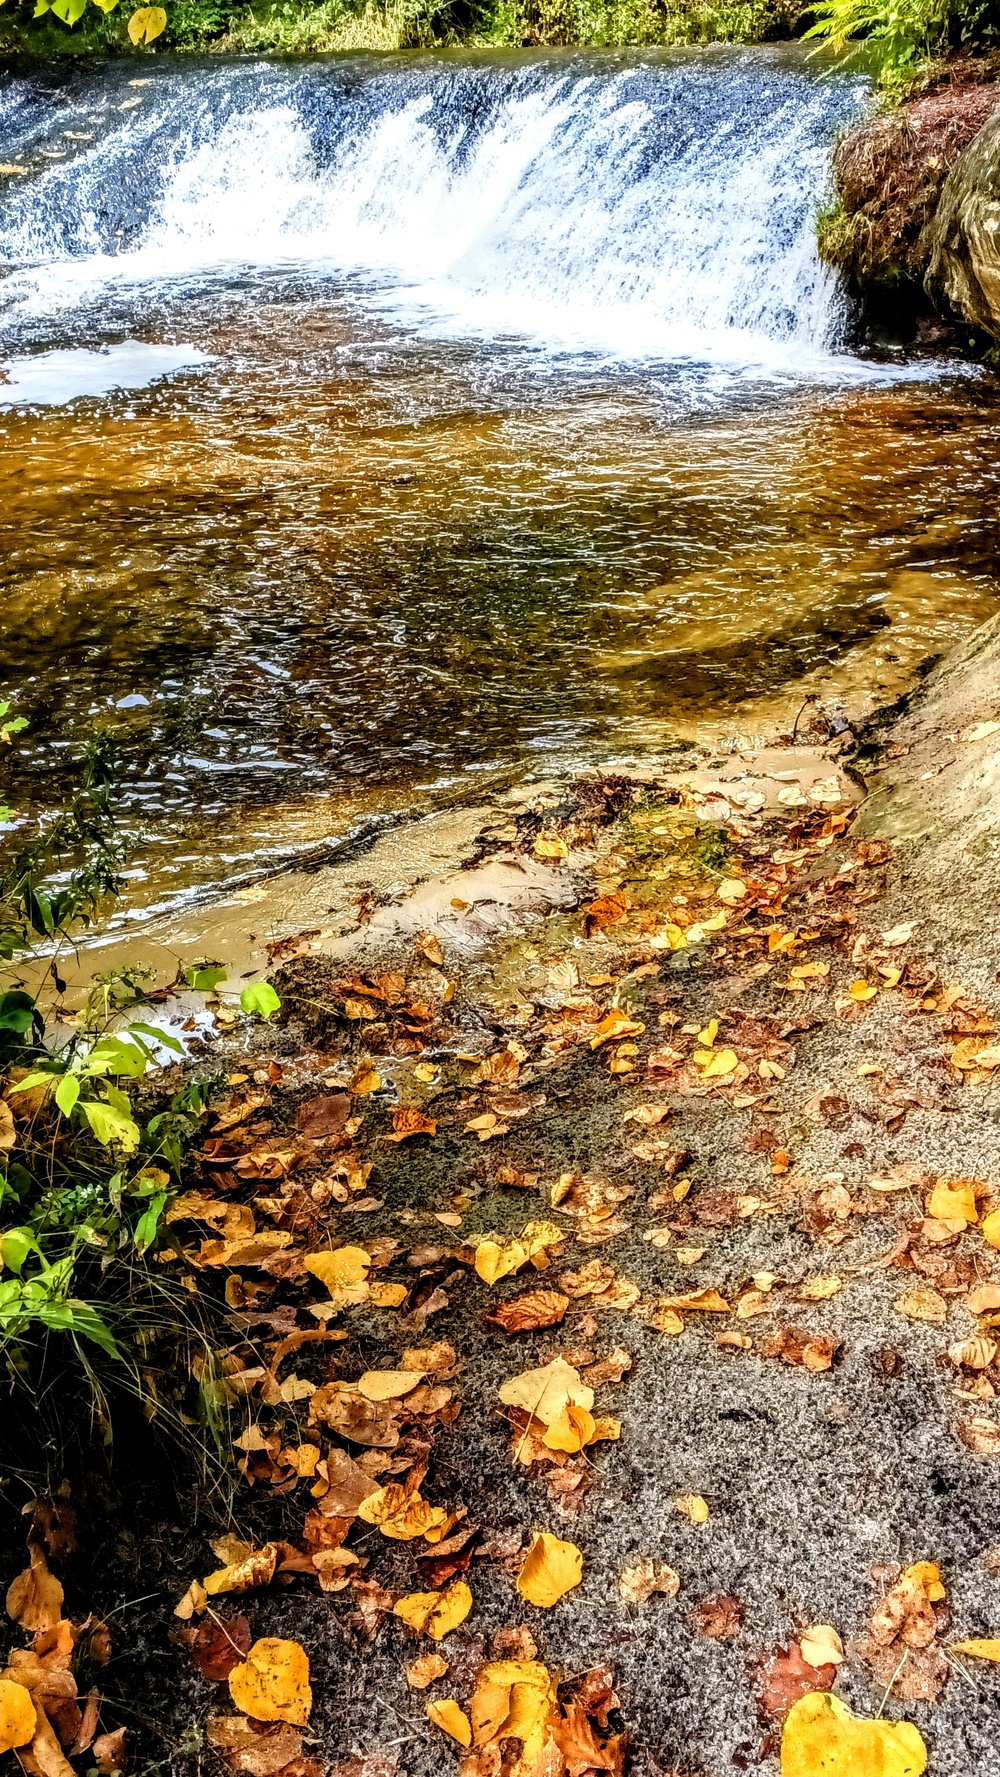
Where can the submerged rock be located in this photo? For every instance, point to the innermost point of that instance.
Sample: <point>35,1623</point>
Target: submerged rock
<point>961,241</point>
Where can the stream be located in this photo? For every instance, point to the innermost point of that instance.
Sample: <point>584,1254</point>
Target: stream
<point>376,429</point>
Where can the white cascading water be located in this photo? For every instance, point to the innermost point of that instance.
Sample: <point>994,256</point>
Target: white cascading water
<point>660,209</point>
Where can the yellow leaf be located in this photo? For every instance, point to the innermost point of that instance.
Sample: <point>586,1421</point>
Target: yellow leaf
<point>819,1289</point>
<point>613,1026</point>
<point>387,1295</point>
<point>922,1305</point>
<point>694,1507</point>
<point>821,1738</point>
<point>35,1597</point>
<point>821,1646</point>
<point>146,24</point>
<point>551,1568</point>
<point>719,1063</point>
<point>696,1301</point>
<point>549,845</point>
<point>927,1574</point>
<point>979,1650</point>
<point>547,1392</point>
<point>707,1036</point>
<point>400,1515</point>
<point>349,1264</point>
<point>862,990</point>
<point>250,1568</point>
<point>18,1717</point>
<point>991,1228</point>
<point>445,1713</point>
<point>435,1613</point>
<point>516,1699</point>
<point>273,1684</point>
<point>574,1428</point>
<point>952,1203</point>
<point>498,1258</point>
<point>809,971</point>
<point>388,1385</point>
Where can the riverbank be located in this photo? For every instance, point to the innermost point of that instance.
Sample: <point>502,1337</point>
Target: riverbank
<point>726,1074</point>
<point>896,228</point>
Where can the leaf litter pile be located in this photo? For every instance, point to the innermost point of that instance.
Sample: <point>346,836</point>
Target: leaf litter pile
<point>608,1333</point>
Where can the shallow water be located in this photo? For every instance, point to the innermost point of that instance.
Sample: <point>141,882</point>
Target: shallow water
<point>380,427</point>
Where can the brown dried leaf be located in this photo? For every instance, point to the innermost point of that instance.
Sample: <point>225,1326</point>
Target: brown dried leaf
<point>525,1314</point>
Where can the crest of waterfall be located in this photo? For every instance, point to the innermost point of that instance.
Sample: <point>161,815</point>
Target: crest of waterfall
<point>642,206</point>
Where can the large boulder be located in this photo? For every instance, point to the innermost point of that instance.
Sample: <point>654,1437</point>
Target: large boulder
<point>962,238</point>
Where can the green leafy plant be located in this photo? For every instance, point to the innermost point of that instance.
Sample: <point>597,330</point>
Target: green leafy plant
<point>899,35</point>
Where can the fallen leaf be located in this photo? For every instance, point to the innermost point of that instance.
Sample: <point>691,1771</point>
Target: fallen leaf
<point>422,1672</point>
<point>952,1203</point>
<point>821,1738</point>
<point>981,731</point>
<point>696,1301</point>
<point>862,990</point>
<point>900,934</point>
<point>990,1228</point>
<point>821,1645</point>
<point>446,1714</point>
<point>515,1699</point>
<point>973,1354</point>
<point>402,1516</point>
<point>254,1567</point>
<point>718,1618</point>
<point>988,1649</point>
<point>551,1568</point>
<point>273,1685</point>
<point>251,1747</point>
<point>346,1265</point>
<point>614,1025</point>
<point>435,1613</point>
<point>981,1436</point>
<point>219,1645</point>
<point>549,845</point>
<point>18,1716</point>
<point>546,1393</point>
<point>505,1255</point>
<point>35,1597</point>
<point>922,1305</point>
<point>527,1313</point>
<point>427,946</point>
<point>693,1507</point>
<point>819,1289</point>
<point>638,1583</point>
<point>786,1676</point>
<point>408,1121</point>
<point>388,1385</point>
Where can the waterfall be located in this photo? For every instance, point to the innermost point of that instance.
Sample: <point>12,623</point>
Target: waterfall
<point>656,205</point>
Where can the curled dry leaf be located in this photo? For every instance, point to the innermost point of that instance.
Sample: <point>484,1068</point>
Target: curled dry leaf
<point>821,1738</point>
<point>424,1671</point>
<point>527,1313</point>
<point>695,1302</point>
<point>249,1569</point>
<point>808,1351</point>
<point>638,1583</point>
<point>499,1258</point>
<point>408,1121</point>
<point>973,1354</point>
<point>980,1435</point>
<point>435,1613</point>
<point>446,1714</point>
<point>551,1568</point>
<point>35,1597</point>
<point>273,1684</point>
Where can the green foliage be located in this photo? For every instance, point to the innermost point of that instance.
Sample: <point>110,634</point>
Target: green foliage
<point>260,998</point>
<point>86,1175</point>
<point>900,36</point>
